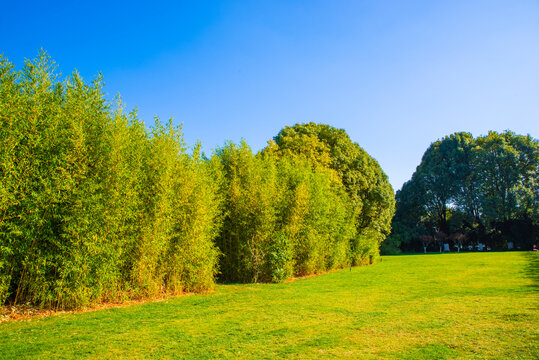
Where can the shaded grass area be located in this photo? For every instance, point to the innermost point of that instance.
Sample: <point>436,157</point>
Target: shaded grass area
<point>444,306</point>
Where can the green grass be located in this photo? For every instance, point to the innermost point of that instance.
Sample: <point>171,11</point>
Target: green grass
<point>444,306</point>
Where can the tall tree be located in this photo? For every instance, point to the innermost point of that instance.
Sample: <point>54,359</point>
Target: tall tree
<point>443,175</point>
<point>508,166</point>
<point>485,188</point>
<point>365,182</point>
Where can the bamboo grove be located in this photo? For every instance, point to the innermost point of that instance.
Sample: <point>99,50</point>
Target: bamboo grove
<point>97,207</point>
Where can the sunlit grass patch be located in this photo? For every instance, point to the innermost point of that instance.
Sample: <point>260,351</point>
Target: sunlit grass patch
<point>448,306</point>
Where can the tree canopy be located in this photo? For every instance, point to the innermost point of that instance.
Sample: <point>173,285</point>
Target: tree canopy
<point>365,182</point>
<point>483,188</point>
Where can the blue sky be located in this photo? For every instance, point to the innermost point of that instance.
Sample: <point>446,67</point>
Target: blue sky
<point>396,75</point>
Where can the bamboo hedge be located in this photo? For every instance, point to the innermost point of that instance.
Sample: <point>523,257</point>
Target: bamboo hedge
<point>95,206</point>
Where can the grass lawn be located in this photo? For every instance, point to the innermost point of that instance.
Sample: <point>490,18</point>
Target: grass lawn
<point>440,306</point>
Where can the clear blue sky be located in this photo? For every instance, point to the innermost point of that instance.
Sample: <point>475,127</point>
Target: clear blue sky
<point>396,75</point>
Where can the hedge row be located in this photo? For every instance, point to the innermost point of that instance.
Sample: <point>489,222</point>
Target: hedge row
<point>97,207</point>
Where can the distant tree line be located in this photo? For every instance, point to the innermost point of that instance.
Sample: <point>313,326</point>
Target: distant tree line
<point>469,191</point>
<point>95,206</point>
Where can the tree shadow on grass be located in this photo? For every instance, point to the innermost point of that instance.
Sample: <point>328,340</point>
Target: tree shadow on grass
<point>531,269</point>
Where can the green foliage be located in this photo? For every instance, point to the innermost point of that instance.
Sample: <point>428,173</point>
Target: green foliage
<point>251,193</point>
<point>508,165</point>
<point>317,216</point>
<point>368,188</point>
<point>94,207</point>
<point>280,258</point>
<point>284,216</point>
<point>485,188</point>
